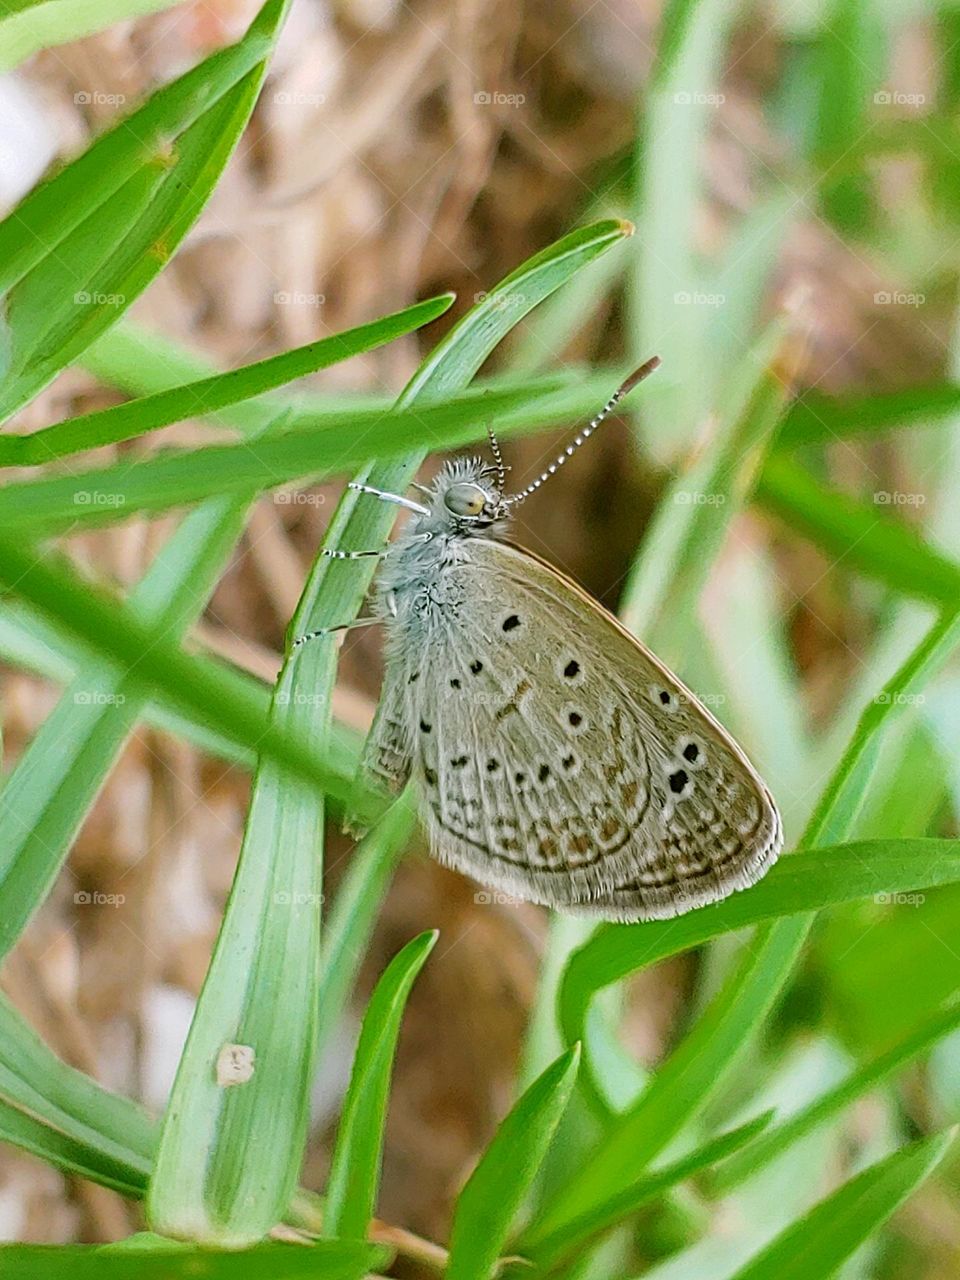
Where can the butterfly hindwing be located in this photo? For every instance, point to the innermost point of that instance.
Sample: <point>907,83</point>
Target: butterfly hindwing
<point>561,762</point>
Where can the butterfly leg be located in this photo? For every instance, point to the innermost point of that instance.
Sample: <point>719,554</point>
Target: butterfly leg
<point>383,551</point>
<point>395,498</point>
<point>329,631</point>
<point>347,626</point>
<point>352,555</point>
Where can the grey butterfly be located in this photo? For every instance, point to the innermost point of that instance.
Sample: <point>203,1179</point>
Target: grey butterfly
<point>556,757</point>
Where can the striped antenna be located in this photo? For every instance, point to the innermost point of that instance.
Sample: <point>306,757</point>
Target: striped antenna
<point>624,389</point>
<point>498,460</point>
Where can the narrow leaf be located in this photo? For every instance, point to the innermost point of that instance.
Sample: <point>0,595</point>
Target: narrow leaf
<point>496,1189</point>
<point>552,1238</point>
<point>816,1246</point>
<point>355,1167</point>
<point>207,395</point>
<point>325,1260</point>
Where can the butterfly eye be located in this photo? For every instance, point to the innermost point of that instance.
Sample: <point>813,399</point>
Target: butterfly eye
<point>465,499</point>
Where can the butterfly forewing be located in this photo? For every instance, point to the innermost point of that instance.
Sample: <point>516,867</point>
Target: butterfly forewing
<point>558,759</point>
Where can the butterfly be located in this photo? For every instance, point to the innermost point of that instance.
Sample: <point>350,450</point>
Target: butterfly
<point>557,759</point>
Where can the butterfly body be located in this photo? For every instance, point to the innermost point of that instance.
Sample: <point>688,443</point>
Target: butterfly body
<point>557,759</point>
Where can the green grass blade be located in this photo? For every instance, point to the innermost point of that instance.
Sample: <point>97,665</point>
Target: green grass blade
<point>85,1159</point>
<point>497,1188</point>
<point>207,395</point>
<point>341,440</point>
<point>30,26</point>
<point>204,1186</point>
<point>816,1246</point>
<point>216,696</point>
<point>30,642</point>
<point>75,1109</point>
<point>803,882</point>
<point>844,70</point>
<point>140,363</point>
<point>684,1084</point>
<point>841,800</point>
<point>692,517</point>
<point>47,796</point>
<point>552,1238</point>
<point>45,218</point>
<point>325,1260</point>
<point>667,277</point>
<point>862,537</point>
<point>355,1167</point>
<point>816,418</point>
<point>769,1145</point>
<point>350,922</point>
<point>100,267</point>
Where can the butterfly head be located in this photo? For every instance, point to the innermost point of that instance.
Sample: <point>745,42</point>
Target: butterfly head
<point>468,497</point>
<point>465,498</point>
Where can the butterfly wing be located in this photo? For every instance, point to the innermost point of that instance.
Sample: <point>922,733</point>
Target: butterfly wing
<point>560,761</point>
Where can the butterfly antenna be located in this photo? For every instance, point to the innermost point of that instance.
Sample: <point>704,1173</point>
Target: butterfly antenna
<point>498,460</point>
<point>624,389</point>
